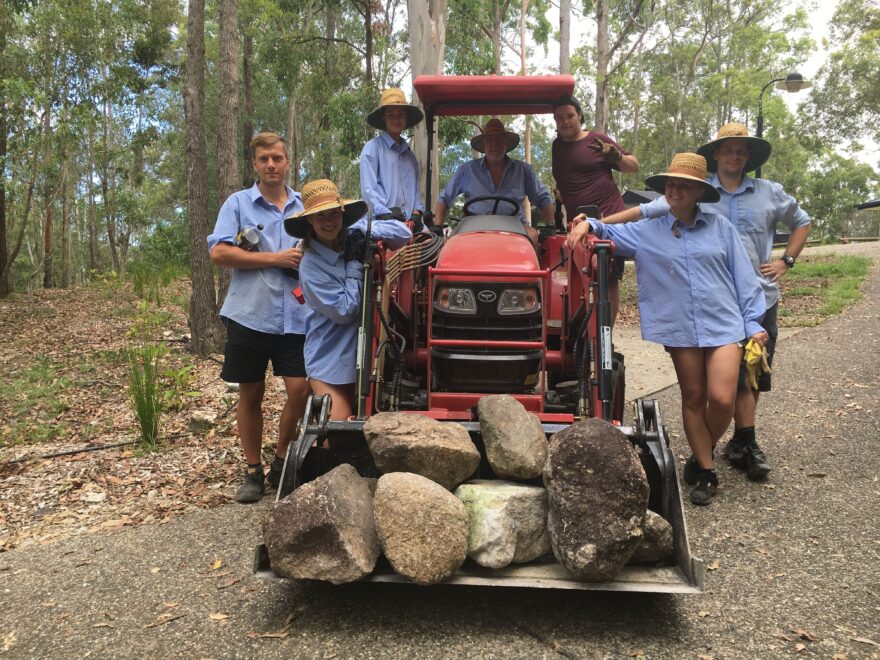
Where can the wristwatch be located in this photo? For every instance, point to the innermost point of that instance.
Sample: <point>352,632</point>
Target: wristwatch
<point>789,260</point>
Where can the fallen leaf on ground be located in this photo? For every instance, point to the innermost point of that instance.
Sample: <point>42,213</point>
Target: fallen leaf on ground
<point>163,619</point>
<point>102,625</point>
<point>218,616</point>
<point>703,614</point>
<point>268,635</point>
<point>155,569</point>
<point>228,583</point>
<point>799,647</point>
<point>838,656</point>
<point>217,564</point>
<point>637,653</point>
<point>865,640</point>
<point>713,566</point>
<point>804,634</point>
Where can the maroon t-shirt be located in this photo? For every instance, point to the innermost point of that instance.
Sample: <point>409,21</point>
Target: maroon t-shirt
<point>583,177</point>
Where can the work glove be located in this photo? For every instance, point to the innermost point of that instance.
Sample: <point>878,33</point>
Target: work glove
<point>755,358</point>
<point>355,246</point>
<point>417,223</point>
<point>608,151</point>
<point>394,213</point>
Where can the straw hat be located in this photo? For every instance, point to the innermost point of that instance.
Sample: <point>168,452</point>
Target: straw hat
<point>394,98</point>
<point>759,149</point>
<point>687,166</point>
<point>494,127</point>
<point>322,195</point>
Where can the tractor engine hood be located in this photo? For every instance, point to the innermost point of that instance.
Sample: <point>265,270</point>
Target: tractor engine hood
<point>490,250</point>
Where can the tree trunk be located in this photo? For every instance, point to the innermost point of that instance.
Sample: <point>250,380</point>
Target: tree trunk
<point>5,287</point>
<point>207,332</point>
<point>601,120</point>
<point>48,279</point>
<point>66,204</point>
<point>109,218</point>
<point>368,43</point>
<point>94,264</point>
<point>327,141</point>
<point>496,34</point>
<point>527,142</point>
<point>247,86</point>
<point>227,118</point>
<point>564,36</point>
<point>427,31</point>
<point>293,139</point>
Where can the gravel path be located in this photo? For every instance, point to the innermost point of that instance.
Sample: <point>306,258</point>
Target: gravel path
<point>795,562</point>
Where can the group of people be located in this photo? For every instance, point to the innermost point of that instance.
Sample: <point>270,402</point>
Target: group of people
<point>706,279</point>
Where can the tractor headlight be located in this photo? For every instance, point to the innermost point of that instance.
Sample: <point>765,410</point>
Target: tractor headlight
<point>518,301</point>
<point>456,301</point>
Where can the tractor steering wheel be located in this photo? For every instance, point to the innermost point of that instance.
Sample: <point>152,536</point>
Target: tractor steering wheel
<point>497,198</point>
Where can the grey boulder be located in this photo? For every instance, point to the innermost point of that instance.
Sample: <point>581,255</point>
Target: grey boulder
<point>598,496</point>
<point>507,521</point>
<point>324,530</point>
<point>516,445</point>
<point>422,527</point>
<point>657,543</point>
<point>403,442</point>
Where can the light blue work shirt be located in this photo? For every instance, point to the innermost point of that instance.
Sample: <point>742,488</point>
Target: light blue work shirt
<point>333,289</point>
<point>755,209</point>
<point>390,176</point>
<point>260,298</point>
<point>696,285</point>
<point>472,179</point>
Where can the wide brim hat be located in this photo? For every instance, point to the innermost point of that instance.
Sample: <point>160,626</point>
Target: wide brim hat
<point>689,167</point>
<point>394,98</point>
<point>322,195</point>
<point>494,127</point>
<point>759,148</point>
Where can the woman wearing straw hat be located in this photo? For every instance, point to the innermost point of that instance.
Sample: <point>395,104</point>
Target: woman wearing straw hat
<point>496,174</point>
<point>331,275</point>
<point>698,297</point>
<point>389,171</point>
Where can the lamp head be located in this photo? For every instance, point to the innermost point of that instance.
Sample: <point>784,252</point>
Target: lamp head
<point>794,82</point>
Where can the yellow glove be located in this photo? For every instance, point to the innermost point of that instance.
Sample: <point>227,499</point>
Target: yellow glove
<point>755,358</point>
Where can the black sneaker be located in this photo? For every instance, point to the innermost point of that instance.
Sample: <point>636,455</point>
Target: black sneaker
<point>736,452</point>
<point>274,476</point>
<point>706,488</point>
<point>690,471</point>
<point>251,490</point>
<point>757,466</point>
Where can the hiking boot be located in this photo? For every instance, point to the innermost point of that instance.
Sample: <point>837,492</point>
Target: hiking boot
<point>251,490</point>
<point>274,476</point>
<point>736,452</point>
<point>757,466</point>
<point>706,488</point>
<point>690,471</point>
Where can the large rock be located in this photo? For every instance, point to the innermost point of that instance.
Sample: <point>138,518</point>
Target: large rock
<point>403,442</point>
<point>657,544</point>
<point>324,530</point>
<point>422,527</point>
<point>515,442</point>
<point>598,496</point>
<point>508,522</point>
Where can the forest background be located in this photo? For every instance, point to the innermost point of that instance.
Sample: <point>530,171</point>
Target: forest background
<point>124,124</point>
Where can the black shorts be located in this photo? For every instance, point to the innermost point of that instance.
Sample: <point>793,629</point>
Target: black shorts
<point>248,352</point>
<point>616,271</point>
<point>768,322</point>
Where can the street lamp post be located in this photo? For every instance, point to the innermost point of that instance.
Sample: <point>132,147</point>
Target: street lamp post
<point>793,82</point>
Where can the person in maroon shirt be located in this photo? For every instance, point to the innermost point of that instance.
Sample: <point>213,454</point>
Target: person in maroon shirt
<point>582,166</point>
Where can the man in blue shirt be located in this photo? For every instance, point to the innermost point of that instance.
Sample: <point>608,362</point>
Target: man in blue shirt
<point>263,319</point>
<point>755,207</point>
<point>496,174</point>
<point>389,171</point>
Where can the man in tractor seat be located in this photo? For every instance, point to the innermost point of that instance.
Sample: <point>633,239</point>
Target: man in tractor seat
<point>583,162</point>
<point>496,174</point>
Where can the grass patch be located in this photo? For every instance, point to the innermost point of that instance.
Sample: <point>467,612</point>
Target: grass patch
<point>146,395</point>
<point>35,398</point>
<point>819,287</point>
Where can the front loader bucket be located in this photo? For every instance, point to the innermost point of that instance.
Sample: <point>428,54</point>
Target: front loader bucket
<point>322,445</point>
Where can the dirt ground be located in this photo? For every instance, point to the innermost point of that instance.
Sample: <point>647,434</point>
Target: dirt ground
<point>117,554</point>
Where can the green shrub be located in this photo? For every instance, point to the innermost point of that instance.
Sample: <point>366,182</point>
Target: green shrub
<point>146,396</point>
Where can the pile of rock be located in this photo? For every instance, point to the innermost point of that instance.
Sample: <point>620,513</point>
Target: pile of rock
<point>592,512</point>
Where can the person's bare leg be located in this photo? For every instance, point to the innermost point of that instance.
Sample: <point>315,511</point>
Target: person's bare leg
<point>249,416</point>
<point>690,368</point>
<point>341,395</point>
<point>722,371</point>
<point>297,394</point>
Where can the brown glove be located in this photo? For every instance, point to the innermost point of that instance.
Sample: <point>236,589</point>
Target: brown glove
<point>608,151</point>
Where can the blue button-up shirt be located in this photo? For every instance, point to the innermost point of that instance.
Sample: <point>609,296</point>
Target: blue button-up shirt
<point>260,298</point>
<point>390,176</point>
<point>334,289</point>
<point>696,285</point>
<point>472,179</point>
<point>755,209</point>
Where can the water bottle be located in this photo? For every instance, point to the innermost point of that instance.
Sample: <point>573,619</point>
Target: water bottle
<point>248,238</point>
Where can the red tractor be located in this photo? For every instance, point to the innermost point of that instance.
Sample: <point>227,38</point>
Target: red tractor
<point>448,321</point>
